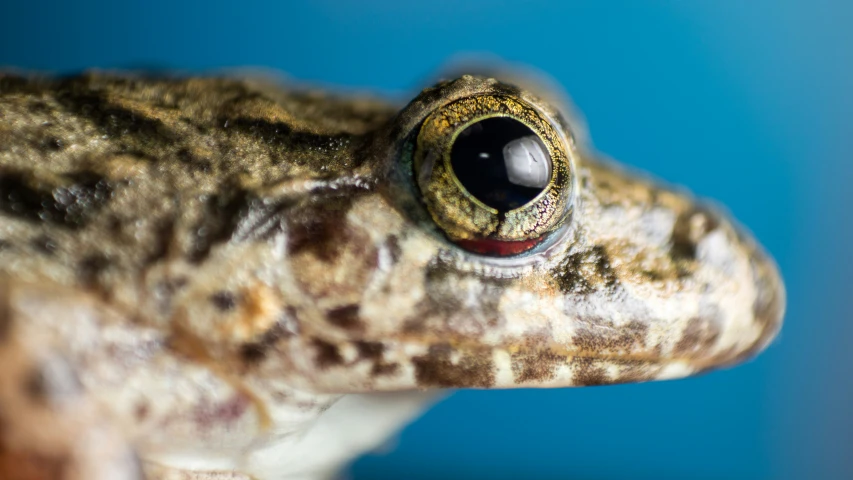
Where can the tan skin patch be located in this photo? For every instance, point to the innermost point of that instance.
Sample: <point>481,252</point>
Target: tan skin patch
<point>257,313</point>
<point>634,371</point>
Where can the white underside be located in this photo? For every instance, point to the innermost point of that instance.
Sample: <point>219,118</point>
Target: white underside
<point>355,424</point>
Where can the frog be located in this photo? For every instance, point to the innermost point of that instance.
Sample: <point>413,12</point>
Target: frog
<point>232,277</point>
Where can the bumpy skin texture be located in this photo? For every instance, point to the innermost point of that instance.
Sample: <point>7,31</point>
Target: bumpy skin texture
<point>218,260</point>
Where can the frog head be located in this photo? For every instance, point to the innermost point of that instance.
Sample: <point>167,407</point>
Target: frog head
<point>478,241</point>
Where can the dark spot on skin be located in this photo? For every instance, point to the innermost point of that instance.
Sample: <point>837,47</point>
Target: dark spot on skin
<point>35,386</point>
<point>281,137</point>
<point>195,163</point>
<point>320,230</point>
<point>602,265</point>
<point>699,335</point>
<point>70,204</point>
<point>141,411</point>
<point>54,378</point>
<point>53,143</point>
<point>652,275</point>
<point>535,365</point>
<point>689,229</point>
<point>91,267</point>
<point>5,245</point>
<point>207,416</point>
<point>436,369</point>
<point>285,327</point>
<point>114,120</point>
<point>221,216</point>
<point>345,317</point>
<point>587,373</point>
<point>380,369</point>
<point>44,244</point>
<point>327,354</point>
<point>372,351</point>
<point>115,225</point>
<point>369,350</point>
<point>586,272</point>
<point>394,249</point>
<point>137,154</point>
<point>604,337</point>
<point>224,301</point>
<point>683,247</point>
<point>11,83</point>
<point>335,257</point>
<point>253,353</point>
<point>40,106</point>
<point>163,238</point>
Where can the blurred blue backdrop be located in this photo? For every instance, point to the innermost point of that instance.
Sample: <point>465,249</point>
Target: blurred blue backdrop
<point>746,102</point>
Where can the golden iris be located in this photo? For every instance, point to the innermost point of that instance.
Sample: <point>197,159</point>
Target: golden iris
<point>494,172</point>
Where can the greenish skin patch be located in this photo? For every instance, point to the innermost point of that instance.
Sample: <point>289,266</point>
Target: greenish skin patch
<point>226,264</point>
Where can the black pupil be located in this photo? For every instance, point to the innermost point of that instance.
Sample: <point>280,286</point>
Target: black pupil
<point>501,162</point>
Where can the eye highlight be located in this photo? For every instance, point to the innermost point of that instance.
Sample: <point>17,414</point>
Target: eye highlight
<point>494,173</point>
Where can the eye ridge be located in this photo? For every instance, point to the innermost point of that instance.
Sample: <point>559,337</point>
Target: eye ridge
<point>464,155</point>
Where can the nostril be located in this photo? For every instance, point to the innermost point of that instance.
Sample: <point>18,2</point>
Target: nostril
<point>690,228</point>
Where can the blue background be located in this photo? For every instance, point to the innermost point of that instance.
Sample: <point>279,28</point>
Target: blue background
<point>745,102</point>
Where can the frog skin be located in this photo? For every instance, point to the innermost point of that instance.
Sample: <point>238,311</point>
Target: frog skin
<point>225,278</point>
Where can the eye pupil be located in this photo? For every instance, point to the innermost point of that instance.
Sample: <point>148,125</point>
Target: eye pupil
<point>501,162</point>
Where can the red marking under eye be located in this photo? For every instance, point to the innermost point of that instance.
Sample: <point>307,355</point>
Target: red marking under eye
<point>498,248</point>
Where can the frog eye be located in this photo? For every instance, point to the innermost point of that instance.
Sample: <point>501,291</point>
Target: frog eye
<point>494,173</point>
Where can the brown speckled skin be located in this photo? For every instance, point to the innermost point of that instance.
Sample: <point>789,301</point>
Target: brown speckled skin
<point>217,260</point>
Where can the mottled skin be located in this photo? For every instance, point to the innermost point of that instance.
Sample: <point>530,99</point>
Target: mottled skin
<point>194,270</point>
